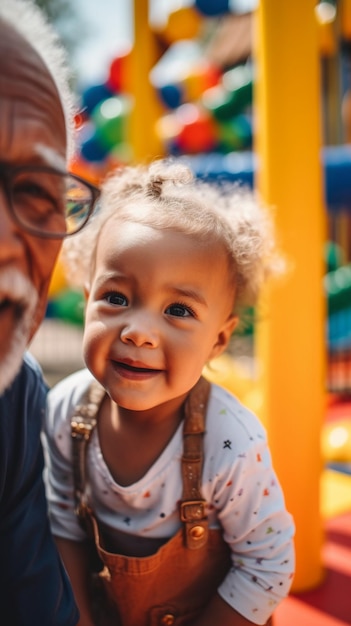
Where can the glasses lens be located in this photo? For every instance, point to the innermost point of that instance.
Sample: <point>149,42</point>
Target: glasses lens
<point>79,200</point>
<point>46,202</point>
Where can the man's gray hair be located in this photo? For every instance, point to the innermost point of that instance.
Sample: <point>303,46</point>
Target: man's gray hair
<point>27,20</point>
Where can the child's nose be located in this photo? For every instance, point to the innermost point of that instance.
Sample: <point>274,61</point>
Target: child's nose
<point>141,331</point>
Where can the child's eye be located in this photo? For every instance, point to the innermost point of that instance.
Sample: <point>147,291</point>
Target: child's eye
<point>117,299</point>
<point>180,310</point>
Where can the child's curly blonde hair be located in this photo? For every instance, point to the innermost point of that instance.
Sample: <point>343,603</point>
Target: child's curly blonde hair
<point>165,195</point>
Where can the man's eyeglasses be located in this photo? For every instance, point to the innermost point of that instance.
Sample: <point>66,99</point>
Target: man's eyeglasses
<point>46,202</point>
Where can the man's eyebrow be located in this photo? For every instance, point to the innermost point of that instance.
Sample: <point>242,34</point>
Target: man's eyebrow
<point>52,158</point>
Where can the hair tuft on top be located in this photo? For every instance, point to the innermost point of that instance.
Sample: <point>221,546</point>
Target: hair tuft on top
<point>154,188</point>
<point>166,195</point>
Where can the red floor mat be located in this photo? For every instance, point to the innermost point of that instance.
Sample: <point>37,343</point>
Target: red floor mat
<point>330,603</point>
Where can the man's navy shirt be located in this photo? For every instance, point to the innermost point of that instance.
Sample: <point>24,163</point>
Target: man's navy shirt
<point>34,588</point>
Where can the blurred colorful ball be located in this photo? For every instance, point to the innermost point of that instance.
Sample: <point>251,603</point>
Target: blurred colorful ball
<point>172,96</point>
<point>200,77</point>
<point>232,95</point>
<point>198,130</point>
<point>92,149</point>
<point>93,95</point>
<point>167,128</point>
<point>224,104</point>
<point>236,134</point>
<point>212,7</point>
<point>192,81</point>
<point>110,118</point>
<point>336,441</point>
<point>182,23</point>
<point>118,77</point>
<point>334,256</point>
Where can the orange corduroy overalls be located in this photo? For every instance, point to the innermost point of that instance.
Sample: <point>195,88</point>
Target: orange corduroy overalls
<point>172,586</point>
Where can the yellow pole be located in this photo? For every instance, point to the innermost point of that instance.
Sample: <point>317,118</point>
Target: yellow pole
<point>290,342</point>
<point>146,109</point>
<point>345,18</point>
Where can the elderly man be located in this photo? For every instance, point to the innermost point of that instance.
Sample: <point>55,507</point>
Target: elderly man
<point>39,205</point>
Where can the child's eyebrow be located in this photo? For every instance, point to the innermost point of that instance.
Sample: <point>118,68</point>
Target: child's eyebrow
<point>110,277</point>
<point>186,292</point>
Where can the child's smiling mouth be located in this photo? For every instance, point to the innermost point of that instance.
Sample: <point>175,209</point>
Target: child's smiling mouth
<point>134,369</point>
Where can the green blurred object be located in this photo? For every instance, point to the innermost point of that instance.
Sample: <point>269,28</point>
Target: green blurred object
<point>338,289</point>
<point>232,96</point>
<point>333,256</point>
<point>110,118</point>
<point>236,134</point>
<point>69,307</point>
<point>247,319</point>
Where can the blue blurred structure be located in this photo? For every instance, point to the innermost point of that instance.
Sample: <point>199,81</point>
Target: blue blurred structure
<point>240,166</point>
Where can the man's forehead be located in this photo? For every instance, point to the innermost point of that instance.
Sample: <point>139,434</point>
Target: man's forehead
<point>28,87</point>
<point>15,46</point>
<point>19,61</point>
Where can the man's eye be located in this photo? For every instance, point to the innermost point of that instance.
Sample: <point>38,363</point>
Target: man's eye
<point>31,189</point>
<point>35,203</point>
<point>117,299</point>
<point>180,310</point>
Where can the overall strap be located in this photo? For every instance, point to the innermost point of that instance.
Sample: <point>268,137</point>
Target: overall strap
<point>83,423</point>
<point>192,506</point>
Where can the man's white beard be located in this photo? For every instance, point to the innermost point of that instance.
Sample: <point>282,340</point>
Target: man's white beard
<point>22,295</point>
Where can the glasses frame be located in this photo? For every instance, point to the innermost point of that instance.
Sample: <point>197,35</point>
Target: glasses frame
<point>6,175</point>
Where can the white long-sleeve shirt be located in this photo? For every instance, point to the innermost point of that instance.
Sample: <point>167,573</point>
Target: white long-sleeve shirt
<point>240,487</point>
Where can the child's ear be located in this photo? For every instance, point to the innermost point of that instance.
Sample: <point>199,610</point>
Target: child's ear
<point>86,291</point>
<point>224,336</point>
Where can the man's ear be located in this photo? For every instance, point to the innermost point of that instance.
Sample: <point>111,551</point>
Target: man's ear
<point>224,336</point>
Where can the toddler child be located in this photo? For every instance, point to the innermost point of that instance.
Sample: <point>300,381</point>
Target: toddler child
<point>170,475</point>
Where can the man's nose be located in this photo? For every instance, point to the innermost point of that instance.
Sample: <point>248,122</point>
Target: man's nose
<point>140,330</point>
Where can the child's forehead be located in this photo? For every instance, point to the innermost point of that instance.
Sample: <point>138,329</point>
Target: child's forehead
<point>119,236</point>
<point>125,233</point>
<point>131,249</point>
<point>120,231</point>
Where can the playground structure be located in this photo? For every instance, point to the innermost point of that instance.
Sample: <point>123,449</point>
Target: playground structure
<point>294,173</point>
